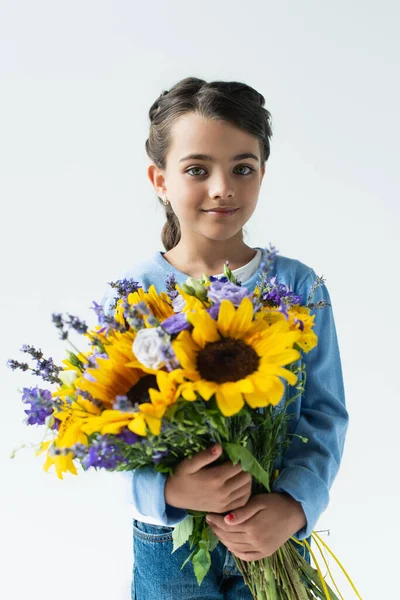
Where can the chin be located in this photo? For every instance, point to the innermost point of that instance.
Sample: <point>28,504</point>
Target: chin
<point>220,236</point>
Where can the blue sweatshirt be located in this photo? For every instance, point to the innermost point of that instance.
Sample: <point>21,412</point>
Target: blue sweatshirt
<point>306,470</point>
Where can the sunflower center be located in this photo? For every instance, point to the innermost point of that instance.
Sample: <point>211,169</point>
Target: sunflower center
<point>227,360</point>
<point>140,392</point>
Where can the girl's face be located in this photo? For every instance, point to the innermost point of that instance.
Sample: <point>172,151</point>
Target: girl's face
<point>204,171</point>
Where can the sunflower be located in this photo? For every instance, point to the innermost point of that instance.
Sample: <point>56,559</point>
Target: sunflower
<point>236,358</point>
<point>113,421</point>
<point>148,413</point>
<point>114,377</point>
<point>308,339</point>
<point>62,463</point>
<point>159,304</point>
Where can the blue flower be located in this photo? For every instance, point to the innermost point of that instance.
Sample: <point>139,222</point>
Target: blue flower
<point>41,405</point>
<point>176,323</point>
<point>220,290</point>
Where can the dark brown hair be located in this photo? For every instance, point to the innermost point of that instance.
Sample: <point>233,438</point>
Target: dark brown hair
<point>230,101</point>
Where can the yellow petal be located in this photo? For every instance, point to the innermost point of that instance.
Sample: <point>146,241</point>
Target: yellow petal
<point>188,393</point>
<point>138,425</point>
<point>205,328</point>
<point>186,351</point>
<point>246,386</point>
<point>154,425</point>
<point>281,357</point>
<point>280,372</point>
<point>230,401</point>
<point>256,399</point>
<point>242,319</point>
<point>275,392</point>
<point>206,388</point>
<point>114,428</point>
<point>225,317</point>
<point>43,447</point>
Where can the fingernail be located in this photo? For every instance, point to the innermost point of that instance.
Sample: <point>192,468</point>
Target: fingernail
<point>214,449</point>
<point>230,517</point>
<point>208,518</point>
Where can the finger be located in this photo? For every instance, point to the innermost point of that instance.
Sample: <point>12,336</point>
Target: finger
<point>237,547</point>
<point>216,521</point>
<point>227,470</point>
<point>245,513</point>
<point>232,536</point>
<point>238,482</point>
<point>201,459</point>
<point>236,505</point>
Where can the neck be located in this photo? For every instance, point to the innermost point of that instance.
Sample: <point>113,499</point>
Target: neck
<point>197,256</point>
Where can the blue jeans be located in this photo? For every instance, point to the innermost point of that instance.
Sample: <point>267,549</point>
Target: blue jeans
<point>156,571</point>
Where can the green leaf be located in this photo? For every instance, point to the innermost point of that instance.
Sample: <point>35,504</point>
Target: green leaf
<point>182,531</point>
<point>238,453</point>
<point>201,563</point>
<point>188,558</point>
<point>213,539</point>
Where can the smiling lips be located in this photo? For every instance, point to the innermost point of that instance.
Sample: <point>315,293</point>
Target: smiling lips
<point>222,211</point>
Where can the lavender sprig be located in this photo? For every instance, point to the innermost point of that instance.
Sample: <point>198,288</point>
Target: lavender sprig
<point>45,368</point>
<point>41,405</point>
<point>71,323</point>
<point>124,287</point>
<point>170,284</point>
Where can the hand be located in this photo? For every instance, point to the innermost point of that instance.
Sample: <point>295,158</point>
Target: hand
<point>261,527</point>
<point>196,485</point>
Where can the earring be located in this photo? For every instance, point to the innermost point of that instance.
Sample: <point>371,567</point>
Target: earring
<point>166,201</point>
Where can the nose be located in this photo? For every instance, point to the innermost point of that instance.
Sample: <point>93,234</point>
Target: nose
<point>221,186</point>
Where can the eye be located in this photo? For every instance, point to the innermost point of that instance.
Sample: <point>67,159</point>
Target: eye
<point>251,170</point>
<point>245,167</point>
<point>194,169</point>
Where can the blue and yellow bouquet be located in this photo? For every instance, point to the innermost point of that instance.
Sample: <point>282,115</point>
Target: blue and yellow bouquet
<point>169,374</point>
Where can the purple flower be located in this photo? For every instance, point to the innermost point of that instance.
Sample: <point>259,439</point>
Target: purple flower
<point>123,404</point>
<point>158,456</point>
<point>170,284</point>
<point>214,311</point>
<point>125,286</point>
<point>88,377</point>
<point>92,360</point>
<point>176,323</point>
<point>219,291</point>
<point>56,424</point>
<point>178,303</point>
<point>127,436</point>
<point>99,310</point>
<point>301,324</point>
<point>41,405</point>
<point>102,454</point>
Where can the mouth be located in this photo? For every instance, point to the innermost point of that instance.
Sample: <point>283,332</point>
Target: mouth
<point>222,212</point>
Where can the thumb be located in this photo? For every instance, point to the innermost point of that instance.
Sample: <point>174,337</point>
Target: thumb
<point>203,458</point>
<point>240,515</point>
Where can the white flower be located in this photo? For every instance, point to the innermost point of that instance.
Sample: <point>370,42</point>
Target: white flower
<point>68,377</point>
<point>147,347</point>
<point>178,303</point>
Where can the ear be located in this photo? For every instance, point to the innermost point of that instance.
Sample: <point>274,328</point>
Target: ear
<point>157,178</point>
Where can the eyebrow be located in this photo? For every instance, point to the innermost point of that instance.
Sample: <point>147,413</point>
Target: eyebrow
<point>208,157</point>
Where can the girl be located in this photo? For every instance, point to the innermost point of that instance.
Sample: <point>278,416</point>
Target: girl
<point>208,146</point>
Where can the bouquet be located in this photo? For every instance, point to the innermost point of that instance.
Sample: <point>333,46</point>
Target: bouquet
<point>169,374</point>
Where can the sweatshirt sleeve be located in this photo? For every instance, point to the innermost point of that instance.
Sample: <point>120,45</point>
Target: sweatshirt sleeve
<point>146,485</point>
<point>309,469</point>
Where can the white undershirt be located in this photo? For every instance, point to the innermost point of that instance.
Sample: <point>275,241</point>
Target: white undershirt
<point>244,273</point>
